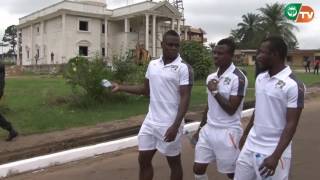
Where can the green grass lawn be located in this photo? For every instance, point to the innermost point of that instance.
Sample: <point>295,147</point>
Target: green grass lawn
<point>27,103</point>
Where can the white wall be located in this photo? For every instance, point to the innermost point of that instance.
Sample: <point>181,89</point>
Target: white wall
<point>74,36</point>
<point>52,39</point>
<point>26,42</point>
<point>115,34</point>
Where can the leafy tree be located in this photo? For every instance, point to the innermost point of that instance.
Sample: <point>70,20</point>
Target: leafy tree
<point>198,56</point>
<point>125,70</point>
<point>2,45</point>
<point>10,37</point>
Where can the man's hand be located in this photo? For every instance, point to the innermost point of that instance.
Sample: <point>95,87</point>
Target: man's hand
<point>242,141</point>
<point>269,165</point>
<point>115,87</point>
<point>171,133</point>
<point>213,85</point>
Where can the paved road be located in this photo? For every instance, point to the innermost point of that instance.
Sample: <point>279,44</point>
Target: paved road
<point>123,165</point>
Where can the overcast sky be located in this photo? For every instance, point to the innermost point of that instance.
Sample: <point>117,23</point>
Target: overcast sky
<point>216,17</point>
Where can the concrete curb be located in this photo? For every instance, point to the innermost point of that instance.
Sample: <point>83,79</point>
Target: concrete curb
<point>80,153</point>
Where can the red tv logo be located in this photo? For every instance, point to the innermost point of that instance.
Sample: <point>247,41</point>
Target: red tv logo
<point>306,14</point>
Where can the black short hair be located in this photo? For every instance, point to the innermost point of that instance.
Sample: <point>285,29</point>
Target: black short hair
<point>278,45</point>
<point>228,42</point>
<point>170,33</point>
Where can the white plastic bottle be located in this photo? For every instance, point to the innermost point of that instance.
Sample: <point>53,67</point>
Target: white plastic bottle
<point>105,83</point>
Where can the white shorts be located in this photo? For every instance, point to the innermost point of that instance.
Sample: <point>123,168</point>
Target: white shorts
<point>218,145</point>
<point>247,167</point>
<point>151,137</point>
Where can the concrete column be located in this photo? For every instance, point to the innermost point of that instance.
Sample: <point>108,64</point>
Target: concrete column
<point>63,42</point>
<point>147,33</point>
<point>31,48</point>
<point>154,46</point>
<point>172,24</point>
<point>106,36</point>
<point>179,28</point>
<point>185,33</point>
<point>126,30</point>
<point>126,25</point>
<point>18,62</point>
<point>42,53</point>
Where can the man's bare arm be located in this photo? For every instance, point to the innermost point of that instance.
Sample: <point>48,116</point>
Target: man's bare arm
<point>229,106</point>
<point>133,89</point>
<point>185,93</point>
<point>204,117</point>
<point>246,132</point>
<point>293,115</point>
<point>270,163</point>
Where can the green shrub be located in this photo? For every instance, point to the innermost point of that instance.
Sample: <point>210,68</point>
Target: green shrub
<point>125,70</point>
<point>198,56</point>
<point>87,75</point>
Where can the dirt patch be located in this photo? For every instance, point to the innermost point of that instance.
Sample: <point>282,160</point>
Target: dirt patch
<point>13,71</point>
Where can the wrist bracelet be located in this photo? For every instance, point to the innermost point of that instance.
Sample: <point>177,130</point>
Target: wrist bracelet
<point>214,92</point>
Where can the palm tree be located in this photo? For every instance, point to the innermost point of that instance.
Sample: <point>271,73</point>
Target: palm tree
<point>250,25</point>
<point>248,30</point>
<point>275,23</point>
<point>235,35</point>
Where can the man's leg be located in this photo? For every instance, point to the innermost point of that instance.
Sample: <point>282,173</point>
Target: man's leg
<point>7,126</point>
<point>175,167</point>
<point>4,123</point>
<point>145,164</point>
<point>204,153</point>
<point>245,168</point>
<point>147,148</point>
<point>199,170</point>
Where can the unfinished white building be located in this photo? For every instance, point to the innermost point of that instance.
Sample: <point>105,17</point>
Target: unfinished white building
<point>69,28</point>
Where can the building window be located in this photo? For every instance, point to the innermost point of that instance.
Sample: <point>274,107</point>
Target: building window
<point>83,50</point>
<point>254,58</point>
<point>103,28</point>
<point>103,52</point>
<point>83,25</point>
<point>44,51</point>
<point>289,58</point>
<point>28,54</point>
<point>38,29</point>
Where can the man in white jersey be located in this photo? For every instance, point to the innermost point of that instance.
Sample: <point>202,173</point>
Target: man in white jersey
<point>168,82</point>
<point>279,102</point>
<point>220,127</point>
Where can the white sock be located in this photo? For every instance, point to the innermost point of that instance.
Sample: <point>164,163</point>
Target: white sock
<point>201,177</point>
